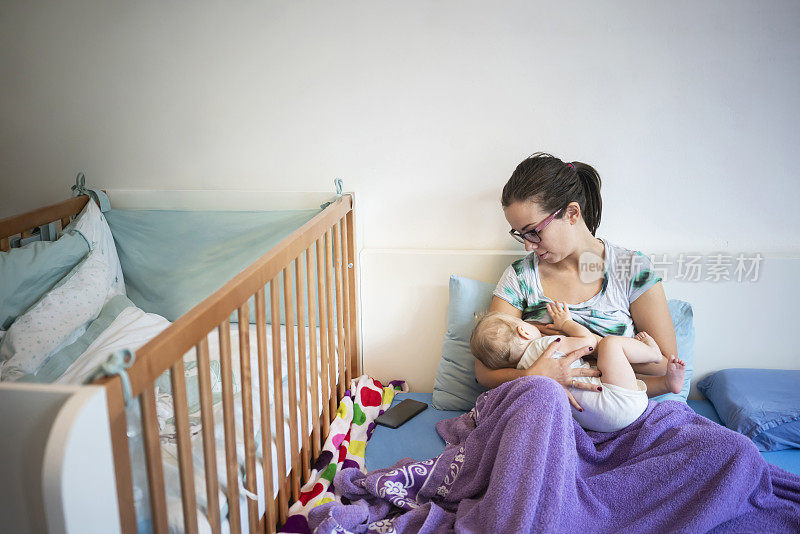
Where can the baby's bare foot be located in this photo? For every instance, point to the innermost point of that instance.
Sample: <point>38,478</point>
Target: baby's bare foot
<point>645,338</point>
<point>676,370</point>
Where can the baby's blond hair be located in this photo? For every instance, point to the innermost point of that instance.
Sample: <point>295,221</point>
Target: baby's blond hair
<point>491,339</point>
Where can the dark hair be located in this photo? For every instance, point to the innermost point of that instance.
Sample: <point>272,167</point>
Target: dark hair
<point>553,184</point>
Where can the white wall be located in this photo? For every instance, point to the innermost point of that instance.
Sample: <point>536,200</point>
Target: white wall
<point>687,109</point>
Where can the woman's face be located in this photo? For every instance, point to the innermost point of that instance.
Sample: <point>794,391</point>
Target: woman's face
<point>524,216</point>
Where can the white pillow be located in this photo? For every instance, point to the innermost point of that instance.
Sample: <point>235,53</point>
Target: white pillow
<point>92,225</point>
<point>75,301</point>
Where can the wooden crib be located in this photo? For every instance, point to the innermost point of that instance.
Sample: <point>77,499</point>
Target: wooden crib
<point>318,266</point>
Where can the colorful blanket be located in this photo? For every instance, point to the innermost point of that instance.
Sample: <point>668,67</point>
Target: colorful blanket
<point>347,439</point>
<point>519,463</point>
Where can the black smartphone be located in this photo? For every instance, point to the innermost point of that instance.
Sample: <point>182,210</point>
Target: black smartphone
<point>397,415</point>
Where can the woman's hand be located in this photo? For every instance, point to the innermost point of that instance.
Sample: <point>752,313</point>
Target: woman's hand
<point>560,371</point>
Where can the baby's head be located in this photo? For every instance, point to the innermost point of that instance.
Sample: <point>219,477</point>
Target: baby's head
<point>499,339</point>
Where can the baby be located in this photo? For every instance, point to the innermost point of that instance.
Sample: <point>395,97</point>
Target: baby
<point>500,340</point>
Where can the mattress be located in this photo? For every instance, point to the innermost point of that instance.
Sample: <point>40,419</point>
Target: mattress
<point>419,440</point>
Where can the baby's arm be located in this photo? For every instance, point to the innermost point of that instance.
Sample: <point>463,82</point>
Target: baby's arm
<point>579,335</point>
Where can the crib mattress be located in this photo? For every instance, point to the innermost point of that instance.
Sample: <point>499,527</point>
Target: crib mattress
<point>419,440</point>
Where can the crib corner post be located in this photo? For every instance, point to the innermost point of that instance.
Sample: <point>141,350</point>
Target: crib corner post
<point>118,426</point>
<point>352,279</point>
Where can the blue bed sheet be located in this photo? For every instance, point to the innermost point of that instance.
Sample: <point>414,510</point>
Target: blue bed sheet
<point>419,440</point>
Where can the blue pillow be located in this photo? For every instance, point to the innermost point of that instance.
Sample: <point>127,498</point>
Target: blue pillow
<point>31,271</point>
<point>455,387</point>
<point>762,404</point>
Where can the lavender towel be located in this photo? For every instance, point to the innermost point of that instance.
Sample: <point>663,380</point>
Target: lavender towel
<point>519,463</point>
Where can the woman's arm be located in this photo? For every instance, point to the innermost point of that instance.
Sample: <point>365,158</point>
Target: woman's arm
<point>500,305</point>
<point>650,314</point>
<point>558,370</point>
<point>491,378</point>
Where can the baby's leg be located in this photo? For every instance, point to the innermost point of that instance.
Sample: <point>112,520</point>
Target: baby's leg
<point>613,363</point>
<point>660,367</point>
<point>639,350</point>
<point>654,368</point>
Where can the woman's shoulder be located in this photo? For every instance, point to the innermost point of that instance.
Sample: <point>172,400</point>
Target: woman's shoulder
<point>619,254</point>
<point>518,284</point>
<point>524,265</point>
<point>630,267</point>
<point>619,251</point>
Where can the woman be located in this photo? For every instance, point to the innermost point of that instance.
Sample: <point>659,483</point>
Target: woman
<point>670,471</point>
<point>554,208</point>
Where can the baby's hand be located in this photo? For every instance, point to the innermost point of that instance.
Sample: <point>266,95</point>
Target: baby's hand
<point>560,314</point>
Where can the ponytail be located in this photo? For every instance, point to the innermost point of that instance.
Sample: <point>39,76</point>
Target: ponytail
<point>590,182</point>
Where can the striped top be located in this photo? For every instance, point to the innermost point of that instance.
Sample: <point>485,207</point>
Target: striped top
<point>627,275</point>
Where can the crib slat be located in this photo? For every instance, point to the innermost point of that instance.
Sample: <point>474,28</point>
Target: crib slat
<point>303,376</point>
<point>118,426</point>
<point>5,246</point>
<point>155,471</point>
<point>312,341</point>
<point>207,421</point>
<point>346,305</point>
<point>266,430</point>
<point>337,263</point>
<point>330,282</point>
<point>231,461</point>
<point>185,467</point>
<point>323,340</point>
<point>277,380</point>
<point>65,222</point>
<point>247,414</point>
<point>352,275</point>
<point>288,303</point>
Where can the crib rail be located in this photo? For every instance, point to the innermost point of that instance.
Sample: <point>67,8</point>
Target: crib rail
<point>26,224</point>
<point>317,267</point>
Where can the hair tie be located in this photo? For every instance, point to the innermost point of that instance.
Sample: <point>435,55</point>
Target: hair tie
<point>571,165</point>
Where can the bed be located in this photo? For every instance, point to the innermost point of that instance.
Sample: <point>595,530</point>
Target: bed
<point>195,415</point>
<point>419,440</point>
<point>413,468</point>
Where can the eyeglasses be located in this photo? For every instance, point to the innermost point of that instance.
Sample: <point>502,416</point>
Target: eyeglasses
<point>533,236</point>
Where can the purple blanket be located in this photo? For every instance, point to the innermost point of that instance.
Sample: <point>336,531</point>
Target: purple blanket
<point>519,463</point>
